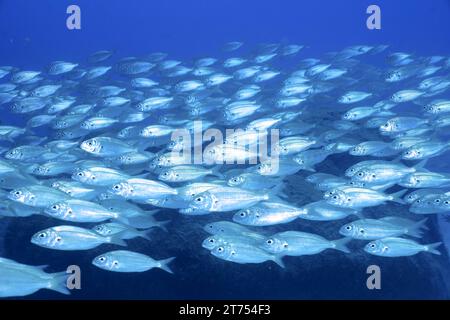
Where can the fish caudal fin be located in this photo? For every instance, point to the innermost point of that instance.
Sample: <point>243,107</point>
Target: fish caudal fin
<point>144,234</point>
<point>163,224</point>
<point>332,148</point>
<point>358,214</point>
<point>421,165</point>
<point>276,192</point>
<point>215,172</point>
<point>416,229</point>
<point>58,282</point>
<point>117,239</point>
<point>341,244</point>
<point>139,221</point>
<point>397,196</point>
<point>164,264</point>
<point>432,248</point>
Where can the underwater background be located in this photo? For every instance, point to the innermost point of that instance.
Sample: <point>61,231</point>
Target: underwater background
<point>34,33</point>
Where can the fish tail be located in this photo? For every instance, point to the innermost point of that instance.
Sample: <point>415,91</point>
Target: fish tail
<point>432,248</point>
<point>279,190</point>
<point>420,165</point>
<point>276,192</point>
<point>332,148</point>
<point>144,234</point>
<point>359,214</point>
<point>341,244</point>
<point>117,239</point>
<point>151,212</point>
<point>397,159</point>
<point>58,282</point>
<point>416,229</point>
<point>164,264</point>
<point>215,172</point>
<point>279,261</point>
<point>397,196</point>
<point>139,221</point>
<point>163,224</point>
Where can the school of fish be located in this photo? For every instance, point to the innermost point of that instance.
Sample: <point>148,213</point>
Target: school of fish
<point>97,153</point>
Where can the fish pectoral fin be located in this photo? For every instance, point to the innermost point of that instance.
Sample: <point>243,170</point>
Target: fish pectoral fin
<point>278,260</point>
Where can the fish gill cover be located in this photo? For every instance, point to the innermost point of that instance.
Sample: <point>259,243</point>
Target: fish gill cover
<point>223,163</point>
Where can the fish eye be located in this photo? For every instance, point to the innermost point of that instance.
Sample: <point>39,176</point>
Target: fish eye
<point>374,176</point>
<point>360,174</point>
<point>335,197</point>
<point>42,235</point>
<point>220,249</point>
<point>199,199</point>
<point>102,259</point>
<point>373,246</point>
<point>348,228</point>
<point>242,214</point>
<point>117,187</point>
<point>18,193</point>
<point>437,200</point>
<point>269,242</point>
<point>446,202</point>
<point>55,207</point>
<point>211,240</point>
<point>80,174</point>
<point>58,239</point>
<point>362,231</point>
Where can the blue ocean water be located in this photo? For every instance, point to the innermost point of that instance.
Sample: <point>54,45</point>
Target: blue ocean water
<point>34,33</point>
